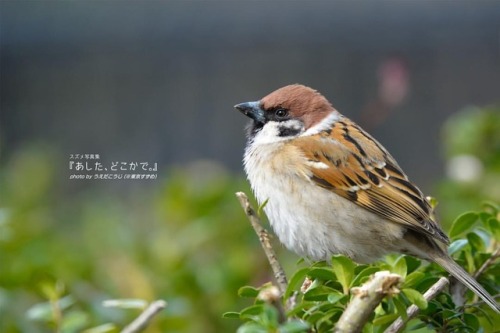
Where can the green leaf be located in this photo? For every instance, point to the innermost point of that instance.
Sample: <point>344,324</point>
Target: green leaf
<point>315,316</point>
<point>252,311</point>
<point>463,223</point>
<point>457,246</point>
<point>484,216</point>
<point>43,311</point>
<point>325,322</point>
<point>343,268</point>
<point>427,281</point>
<point>399,267</point>
<point>270,316</point>
<point>303,306</point>
<point>493,226</point>
<point>485,236</point>
<point>252,327</point>
<point>323,273</point>
<point>475,242</point>
<point>415,298</point>
<point>400,307</point>
<point>471,321</point>
<point>294,326</point>
<point>74,321</point>
<point>413,279</point>
<point>418,326</point>
<point>248,291</point>
<point>52,290</point>
<point>412,264</point>
<point>368,328</point>
<point>334,297</point>
<point>296,281</point>
<point>365,273</point>
<point>231,314</point>
<point>319,293</point>
<point>493,207</point>
<point>469,259</point>
<point>385,319</point>
<point>261,207</point>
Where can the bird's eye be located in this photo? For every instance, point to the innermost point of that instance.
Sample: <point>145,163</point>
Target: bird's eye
<point>281,113</point>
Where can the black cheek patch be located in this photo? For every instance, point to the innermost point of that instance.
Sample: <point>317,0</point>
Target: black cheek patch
<point>288,131</point>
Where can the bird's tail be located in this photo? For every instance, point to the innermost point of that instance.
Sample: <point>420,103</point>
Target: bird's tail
<point>461,275</point>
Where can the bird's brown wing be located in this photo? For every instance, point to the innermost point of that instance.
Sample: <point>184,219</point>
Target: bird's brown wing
<point>349,162</point>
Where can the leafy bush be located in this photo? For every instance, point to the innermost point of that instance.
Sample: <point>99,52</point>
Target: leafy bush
<point>68,246</point>
<point>321,291</point>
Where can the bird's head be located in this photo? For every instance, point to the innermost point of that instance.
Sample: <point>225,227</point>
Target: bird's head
<point>287,112</point>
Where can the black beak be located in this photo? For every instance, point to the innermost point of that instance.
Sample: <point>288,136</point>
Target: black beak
<point>252,110</point>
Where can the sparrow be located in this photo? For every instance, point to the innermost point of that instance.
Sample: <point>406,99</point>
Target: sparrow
<point>331,188</point>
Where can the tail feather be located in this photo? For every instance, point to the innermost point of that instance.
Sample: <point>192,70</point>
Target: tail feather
<point>460,274</point>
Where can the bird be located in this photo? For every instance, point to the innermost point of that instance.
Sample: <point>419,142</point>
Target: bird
<point>328,187</point>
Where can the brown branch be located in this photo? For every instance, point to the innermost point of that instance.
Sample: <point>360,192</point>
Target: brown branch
<point>141,322</point>
<point>279,273</point>
<point>366,299</point>
<point>412,310</point>
<point>488,262</point>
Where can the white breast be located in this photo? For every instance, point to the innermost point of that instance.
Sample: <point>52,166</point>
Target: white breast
<point>308,219</point>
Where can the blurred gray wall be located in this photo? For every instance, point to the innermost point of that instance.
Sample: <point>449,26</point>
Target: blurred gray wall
<point>156,80</point>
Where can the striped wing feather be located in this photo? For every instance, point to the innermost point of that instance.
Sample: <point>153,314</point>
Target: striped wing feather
<point>350,163</point>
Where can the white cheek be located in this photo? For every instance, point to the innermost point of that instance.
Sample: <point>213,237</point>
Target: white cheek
<point>270,133</point>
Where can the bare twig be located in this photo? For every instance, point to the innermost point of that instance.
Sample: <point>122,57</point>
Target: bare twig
<point>479,302</point>
<point>365,300</point>
<point>279,273</point>
<point>145,317</point>
<point>412,310</point>
<point>494,256</point>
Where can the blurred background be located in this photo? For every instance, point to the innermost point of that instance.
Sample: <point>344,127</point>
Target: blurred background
<point>156,81</point>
